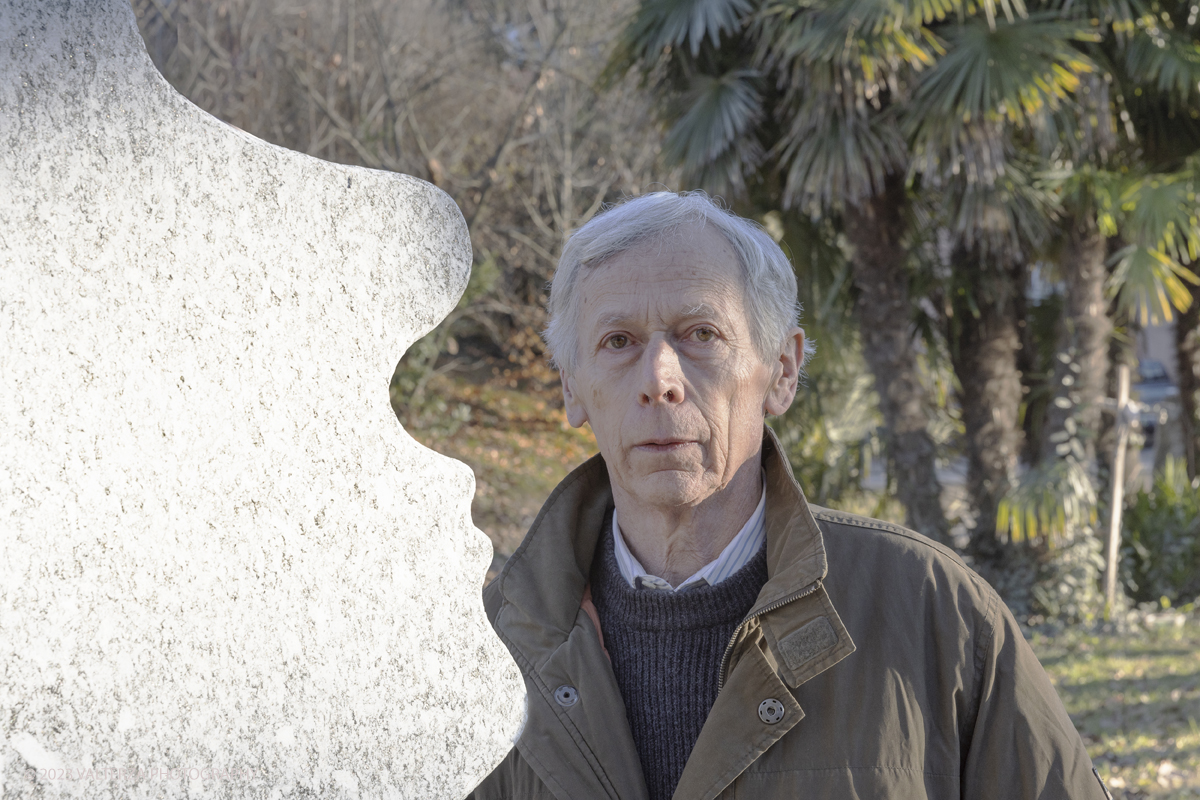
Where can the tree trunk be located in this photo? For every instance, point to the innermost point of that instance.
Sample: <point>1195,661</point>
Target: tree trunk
<point>1187,348</point>
<point>875,230</point>
<point>984,343</point>
<point>1081,369</point>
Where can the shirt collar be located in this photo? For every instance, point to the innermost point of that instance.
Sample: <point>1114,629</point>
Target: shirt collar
<point>743,547</point>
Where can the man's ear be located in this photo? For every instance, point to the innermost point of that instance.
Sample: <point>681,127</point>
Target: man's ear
<point>782,390</point>
<point>576,414</point>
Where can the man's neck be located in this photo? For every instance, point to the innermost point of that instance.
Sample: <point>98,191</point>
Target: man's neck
<point>675,543</point>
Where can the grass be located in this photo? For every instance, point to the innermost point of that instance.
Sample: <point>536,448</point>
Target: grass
<point>1134,697</point>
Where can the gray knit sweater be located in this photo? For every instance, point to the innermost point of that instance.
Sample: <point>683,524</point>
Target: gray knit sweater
<point>666,651</point>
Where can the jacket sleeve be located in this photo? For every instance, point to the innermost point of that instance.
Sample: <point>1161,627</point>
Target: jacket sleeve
<point>1023,744</point>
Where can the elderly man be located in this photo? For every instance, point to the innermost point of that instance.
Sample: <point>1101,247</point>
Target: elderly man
<point>688,626</point>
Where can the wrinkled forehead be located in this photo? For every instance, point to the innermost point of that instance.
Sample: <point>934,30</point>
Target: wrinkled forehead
<point>687,272</point>
<point>657,252</point>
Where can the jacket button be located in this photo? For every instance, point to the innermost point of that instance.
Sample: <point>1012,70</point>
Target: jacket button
<point>770,711</point>
<point>566,696</point>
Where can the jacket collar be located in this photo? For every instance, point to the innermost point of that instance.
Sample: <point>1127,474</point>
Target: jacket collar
<point>535,607</point>
<point>543,583</point>
<point>795,549</point>
<point>544,579</point>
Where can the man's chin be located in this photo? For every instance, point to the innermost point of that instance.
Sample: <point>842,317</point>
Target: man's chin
<point>670,488</point>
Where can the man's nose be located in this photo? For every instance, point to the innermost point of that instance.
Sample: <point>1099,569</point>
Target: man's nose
<point>662,378</point>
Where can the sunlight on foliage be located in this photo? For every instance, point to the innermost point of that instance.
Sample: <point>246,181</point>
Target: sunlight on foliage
<point>1015,71</point>
<point>1049,504</point>
<point>1149,284</point>
<point>1160,215</point>
<point>1159,218</point>
<point>879,37</point>
<point>1020,76</point>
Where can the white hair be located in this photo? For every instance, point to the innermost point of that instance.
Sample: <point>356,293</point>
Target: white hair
<point>767,277</point>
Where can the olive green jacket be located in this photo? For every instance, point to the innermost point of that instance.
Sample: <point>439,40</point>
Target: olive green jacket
<point>900,672</point>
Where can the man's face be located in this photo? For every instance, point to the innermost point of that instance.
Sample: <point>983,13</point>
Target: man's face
<point>666,372</point>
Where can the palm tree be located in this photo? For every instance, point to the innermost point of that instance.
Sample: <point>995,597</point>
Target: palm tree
<point>843,103</point>
<point>1129,225</point>
<point>806,95</point>
<point>1187,348</point>
<point>1079,381</point>
<point>1129,193</point>
<point>995,227</point>
<point>981,120</point>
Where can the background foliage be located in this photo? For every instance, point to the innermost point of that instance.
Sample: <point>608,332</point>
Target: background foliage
<point>926,165</point>
<point>919,162</point>
<point>1162,539</point>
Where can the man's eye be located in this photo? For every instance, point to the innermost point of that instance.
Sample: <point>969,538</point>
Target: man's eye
<point>705,334</point>
<point>616,342</point>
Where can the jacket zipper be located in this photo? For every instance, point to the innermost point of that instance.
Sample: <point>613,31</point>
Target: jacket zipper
<point>805,592</point>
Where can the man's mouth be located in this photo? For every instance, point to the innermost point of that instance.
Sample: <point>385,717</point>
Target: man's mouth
<point>663,445</point>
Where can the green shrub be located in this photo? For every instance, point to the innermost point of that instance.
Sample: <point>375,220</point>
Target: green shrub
<point>1161,536</point>
<point>1066,587</point>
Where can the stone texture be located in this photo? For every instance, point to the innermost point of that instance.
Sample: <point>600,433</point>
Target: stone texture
<point>224,569</point>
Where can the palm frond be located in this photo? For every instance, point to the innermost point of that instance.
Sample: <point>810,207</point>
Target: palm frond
<point>1162,58</point>
<point>1011,214</point>
<point>712,137</point>
<point>1162,212</point>
<point>834,153</point>
<point>1149,284</point>
<point>1018,76</point>
<point>866,46</point>
<point>1087,191</point>
<point>671,23</point>
<point>1014,73</point>
<point>1051,503</point>
<point>726,174</point>
<point>720,111</point>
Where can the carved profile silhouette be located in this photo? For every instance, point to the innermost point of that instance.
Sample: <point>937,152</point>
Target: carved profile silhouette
<point>223,564</point>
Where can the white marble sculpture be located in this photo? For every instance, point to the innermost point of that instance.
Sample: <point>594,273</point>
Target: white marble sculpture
<point>224,569</point>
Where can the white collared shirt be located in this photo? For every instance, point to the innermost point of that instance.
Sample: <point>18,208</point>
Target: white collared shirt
<point>736,555</point>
